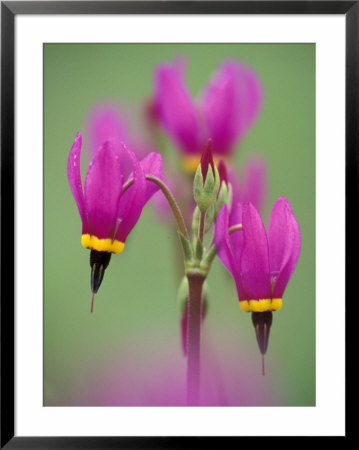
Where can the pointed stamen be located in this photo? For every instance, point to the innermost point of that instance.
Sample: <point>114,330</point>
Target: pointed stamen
<point>98,262</point>
<point>92,302</point>
<point>262,322</point>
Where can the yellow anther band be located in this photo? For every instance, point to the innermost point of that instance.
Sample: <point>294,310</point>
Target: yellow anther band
<point>102,245</point>
<point>262,305</point>
<point>191,162</point>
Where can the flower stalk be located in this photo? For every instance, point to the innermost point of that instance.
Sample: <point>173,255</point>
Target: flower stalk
<point>202,223</point>
<point>169,197</point>
<point>172,202</point>
<point>195,287</point>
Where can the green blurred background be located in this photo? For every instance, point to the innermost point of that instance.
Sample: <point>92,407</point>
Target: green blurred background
<point>130,347</point>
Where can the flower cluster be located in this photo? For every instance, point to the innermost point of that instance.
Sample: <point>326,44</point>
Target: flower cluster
<point>124,174</point>
<point>226,110</point>
<point>261,263</point>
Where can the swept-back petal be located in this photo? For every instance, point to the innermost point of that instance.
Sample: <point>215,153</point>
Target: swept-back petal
<point>231,103</point>
<point>284,244</point>
<point>235,218</point>
<point>254,265</point>
<point>133,200</point>
<point>175,109</point>
<point>103,187</point>
<point>224,250</point>
<point>74,177</point>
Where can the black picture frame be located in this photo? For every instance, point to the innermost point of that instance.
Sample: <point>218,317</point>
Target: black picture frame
<point>9,10</point>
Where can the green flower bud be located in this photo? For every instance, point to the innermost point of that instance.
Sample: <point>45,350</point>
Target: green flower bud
<point>206,180</point>
<point>209,219</point>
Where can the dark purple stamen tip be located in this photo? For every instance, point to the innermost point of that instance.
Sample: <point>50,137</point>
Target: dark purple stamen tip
<point>262,322</point>
<point>98,262</point>
<point>207,159</point>
<point>223,176</point>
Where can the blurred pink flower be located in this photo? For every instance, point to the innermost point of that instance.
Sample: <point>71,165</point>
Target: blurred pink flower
<point>150,371</point>
<point>226,110</point>
<point>251,184</point>
<point>107,122</point>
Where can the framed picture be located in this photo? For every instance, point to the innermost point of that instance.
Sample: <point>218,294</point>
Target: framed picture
<point>167,232</point>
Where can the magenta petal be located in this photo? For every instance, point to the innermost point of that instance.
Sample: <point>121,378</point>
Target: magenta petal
<point>236,215</point>
<point>103,187</point>
<point>284,244</point>
<point>279,235</point>
<point>222,243</point>
<point>254,259</point>
<point>237,188</point>
<point>175,109</point>
<point>224,250</point>
<point>231,103</point>
<point>236,218</point>
<point>133,200</point>
<point>152,165</point>
<point>221,109</point>
<point>74,176</point>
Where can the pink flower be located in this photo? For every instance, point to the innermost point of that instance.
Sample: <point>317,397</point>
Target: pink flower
<point>154,374</point>
<point>108,214</point>
<point>226,111</point>
<point>261,263</point>
<point>109,207</point>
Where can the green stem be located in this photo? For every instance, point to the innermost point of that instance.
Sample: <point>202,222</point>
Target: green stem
<point>169,197</point>
<point>209,256</point>
<point>202,223</point>
<point>195,287</point>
